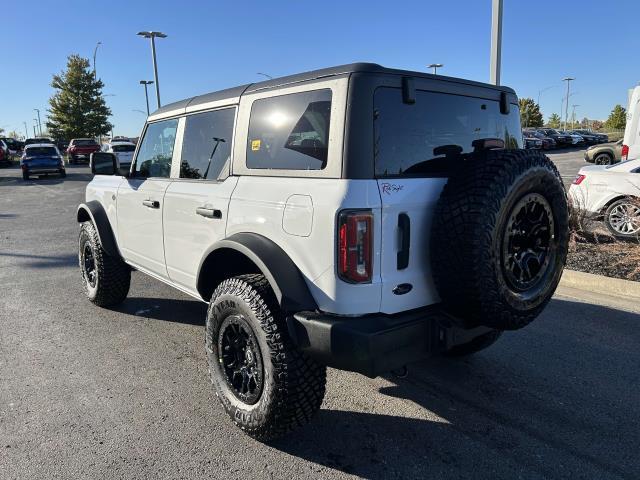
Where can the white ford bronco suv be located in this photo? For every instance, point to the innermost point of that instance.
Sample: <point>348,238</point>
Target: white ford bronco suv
<point>355,217</point>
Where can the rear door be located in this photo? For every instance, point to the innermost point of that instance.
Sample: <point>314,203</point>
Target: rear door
<point>417,145</point>
<point>196,205</point>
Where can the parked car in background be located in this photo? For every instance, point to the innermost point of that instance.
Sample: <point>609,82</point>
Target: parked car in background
<point>41,158</point>
<point>610,192</point>
<point>5,156</point>
<point>599,137</point>
<point>120,138</point>
<point>604,154</point>
<point>81,149</point>
<point>548,143</point>
<point>588,138</point>
<point>561,139</point>
<point>530,141</point>
<point>575,138</point>
<point>13,144</point>
<point>123,152</point>
<point>62,145</point>
<point>36,140</point>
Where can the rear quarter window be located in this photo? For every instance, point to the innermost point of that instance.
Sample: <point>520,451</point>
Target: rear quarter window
<point>290,132</point>
<point>427,137</point>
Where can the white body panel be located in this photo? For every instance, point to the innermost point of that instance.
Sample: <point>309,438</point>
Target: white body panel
<point>261,205</point>
<point>415,197</point>
<point>104,189</point>
<point>602,185</point>
<point>632,129</point>
<point>187,235</point>
<point>140,235</point>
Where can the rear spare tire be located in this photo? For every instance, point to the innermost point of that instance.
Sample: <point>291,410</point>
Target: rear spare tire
<point>499,238</point>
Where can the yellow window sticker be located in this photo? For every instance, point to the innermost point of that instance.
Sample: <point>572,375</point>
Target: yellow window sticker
<point>255,145</point>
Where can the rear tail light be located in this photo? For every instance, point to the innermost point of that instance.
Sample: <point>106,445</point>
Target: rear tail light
<point>578,180</point>
<point>625,152</point>
<point>355,241</point>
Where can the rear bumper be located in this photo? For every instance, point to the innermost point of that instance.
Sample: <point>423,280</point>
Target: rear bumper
<point>44,169</point>
<point>375,344</point>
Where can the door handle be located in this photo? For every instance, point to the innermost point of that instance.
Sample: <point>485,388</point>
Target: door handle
<point>151,203</point>
<point>209,212</point>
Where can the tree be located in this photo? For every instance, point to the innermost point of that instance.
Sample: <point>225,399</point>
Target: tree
<point>530,115</point>
<point>14,134</point>
<point>77,108</point>
<point>617,118</point>
<point>554,121</point>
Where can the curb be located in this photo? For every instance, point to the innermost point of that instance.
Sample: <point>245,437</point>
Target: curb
<point>600,284</point>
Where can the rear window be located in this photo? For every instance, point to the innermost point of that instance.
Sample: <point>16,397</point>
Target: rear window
<point>290,132</point>
<point>84,142</point>
<point>427,137</point>
<point>41,152</point>
<point>123,148</point>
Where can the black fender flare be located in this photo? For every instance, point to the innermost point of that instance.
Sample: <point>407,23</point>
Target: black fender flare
<point>284,277</point>
<point>93,212</point>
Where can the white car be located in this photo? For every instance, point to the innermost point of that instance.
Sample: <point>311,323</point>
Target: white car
<point>331,219</point>
<point>123,152</point>
<point>611,191</point>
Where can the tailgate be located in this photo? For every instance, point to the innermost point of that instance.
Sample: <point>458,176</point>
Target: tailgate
<point>407,209</point>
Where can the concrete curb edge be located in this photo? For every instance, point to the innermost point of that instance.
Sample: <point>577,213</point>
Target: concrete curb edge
<point>600,284</point>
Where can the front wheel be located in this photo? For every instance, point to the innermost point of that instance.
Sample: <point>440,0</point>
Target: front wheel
<point>603,159</point>
<point>266,385</point>
<point>106,279</point>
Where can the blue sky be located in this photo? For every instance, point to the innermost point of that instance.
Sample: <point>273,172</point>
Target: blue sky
<point>213,45</point>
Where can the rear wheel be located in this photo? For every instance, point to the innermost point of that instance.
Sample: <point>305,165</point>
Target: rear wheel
<point>106,279</point>
<point>622,218</point>
<point>266,385</point>
<point>499,238</point>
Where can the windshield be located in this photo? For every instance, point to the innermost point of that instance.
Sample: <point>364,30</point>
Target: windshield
<point>123,148</point>
<point>431,135</point>
<point>41,152</point>
<point>84,142</point>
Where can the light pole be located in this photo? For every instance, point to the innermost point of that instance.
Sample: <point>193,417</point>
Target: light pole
<point>573,115</point>
<point>35,120</point>
<point>496,42</point>
<point>95,50</point>
<point>26,131</point>
<point>435,67</point>
<point>152,36</point>
<point>139,111</point>
<point>544,90</point>
<point>146,94</point>
<point>39,124</point>
<point>264,75</point>
<point>566,111</point>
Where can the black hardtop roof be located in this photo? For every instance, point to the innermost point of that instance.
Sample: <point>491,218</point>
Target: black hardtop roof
<point>360,67</point>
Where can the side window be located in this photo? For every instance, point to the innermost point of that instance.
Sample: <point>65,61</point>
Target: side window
<point>290,132</point>
<point>206,148</point>
<point>156,150</point>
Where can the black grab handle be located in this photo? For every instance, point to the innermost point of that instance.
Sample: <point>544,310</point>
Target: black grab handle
<point>404,226</point>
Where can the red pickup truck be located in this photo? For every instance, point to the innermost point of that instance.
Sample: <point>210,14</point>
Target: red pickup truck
<point>81,149</point>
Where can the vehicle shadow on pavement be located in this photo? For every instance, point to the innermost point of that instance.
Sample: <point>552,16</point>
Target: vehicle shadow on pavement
<point>188,312</point>
<point>553,400</point>
<point>43,261</point>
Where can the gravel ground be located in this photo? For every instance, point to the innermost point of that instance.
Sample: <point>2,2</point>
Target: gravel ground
<point>618,260</point>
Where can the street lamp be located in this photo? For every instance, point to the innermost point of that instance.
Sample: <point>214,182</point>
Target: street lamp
<point>152,36</point>
<point>35,120</point>
<point>573,115</point>
<point>39,124</point>
<point>26,131</point>
<point>95,50</point>
<point>496,42</point>
<point>566,111</point>
<point>264,75</point>
<point>435,67</point>
<point>146,94</point>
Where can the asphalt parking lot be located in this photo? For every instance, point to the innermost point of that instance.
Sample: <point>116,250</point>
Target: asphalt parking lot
<point>93,393</point>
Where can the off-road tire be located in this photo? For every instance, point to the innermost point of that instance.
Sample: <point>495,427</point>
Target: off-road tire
<point>25,176</point>
<point>479,343</point>
<point>113,276</point>
<point>470,228</point>
<point>63,174</point>
<point>293,385</point>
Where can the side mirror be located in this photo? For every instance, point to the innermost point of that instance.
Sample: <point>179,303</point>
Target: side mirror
<point>103,163</point>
